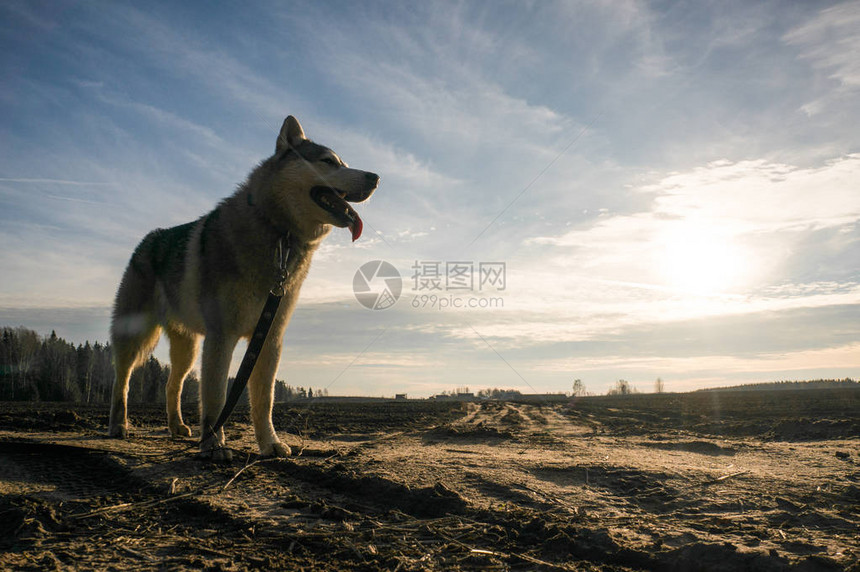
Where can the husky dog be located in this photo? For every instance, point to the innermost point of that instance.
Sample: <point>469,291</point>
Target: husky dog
<point>211,277</point>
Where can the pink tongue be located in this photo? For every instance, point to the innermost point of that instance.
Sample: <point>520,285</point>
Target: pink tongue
<point>356,228</point>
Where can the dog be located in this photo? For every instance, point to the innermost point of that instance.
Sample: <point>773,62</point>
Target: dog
<point>210,279</point>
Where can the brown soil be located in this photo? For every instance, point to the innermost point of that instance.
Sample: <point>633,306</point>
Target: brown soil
<point>722,481</point>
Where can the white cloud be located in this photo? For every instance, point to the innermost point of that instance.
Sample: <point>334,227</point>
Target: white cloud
<point>831,42</point>
<point>465,113</point>
<point>54,182</point>
<point>431,79</point>
<point>760,196</point>
<point>401,169</point>
<point>738,205</point>
<point>200,133</point>
<point>185,52</point>
<point>719,240</point>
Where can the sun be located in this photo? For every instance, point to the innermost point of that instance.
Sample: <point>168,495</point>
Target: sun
<point>700,260</point>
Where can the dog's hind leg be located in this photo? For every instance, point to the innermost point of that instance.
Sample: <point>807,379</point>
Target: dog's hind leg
<point>183,352</point>
<point>129,351</point>
<point>217,355</point>
<point>261,391</point>
<point>134,329</point>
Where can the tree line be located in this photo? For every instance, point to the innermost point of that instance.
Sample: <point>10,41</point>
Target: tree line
<point>36,368</point>
<point>790,385</point>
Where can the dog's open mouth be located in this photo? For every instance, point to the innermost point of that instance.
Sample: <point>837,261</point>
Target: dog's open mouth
<point>334,202</point>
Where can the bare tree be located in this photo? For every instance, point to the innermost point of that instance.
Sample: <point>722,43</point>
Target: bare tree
<point>622,387</point>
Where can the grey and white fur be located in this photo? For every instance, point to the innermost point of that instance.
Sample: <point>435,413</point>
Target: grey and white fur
<point>210,278</point>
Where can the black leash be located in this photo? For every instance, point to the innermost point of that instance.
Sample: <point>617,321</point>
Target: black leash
<point>255,344</point>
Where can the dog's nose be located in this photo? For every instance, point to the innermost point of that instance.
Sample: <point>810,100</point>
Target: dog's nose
<point>372,180</point>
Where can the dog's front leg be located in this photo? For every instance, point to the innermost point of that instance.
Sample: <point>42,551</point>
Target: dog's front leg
<point>261,390</point>
<point>217,354</point>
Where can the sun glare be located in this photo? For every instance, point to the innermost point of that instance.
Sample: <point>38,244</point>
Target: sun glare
<point>701,261</point>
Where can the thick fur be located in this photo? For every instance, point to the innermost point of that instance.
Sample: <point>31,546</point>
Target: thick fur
<point>210,279</point>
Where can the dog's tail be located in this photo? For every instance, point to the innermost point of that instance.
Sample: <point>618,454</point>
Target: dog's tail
<point>134,324</point>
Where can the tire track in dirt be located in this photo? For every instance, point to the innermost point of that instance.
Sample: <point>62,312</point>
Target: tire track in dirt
<point>548,421</point>
<point>61,472</point>
<point>543,424</point>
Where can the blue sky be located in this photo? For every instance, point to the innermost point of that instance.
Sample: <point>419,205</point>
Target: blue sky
<point>672,187</point>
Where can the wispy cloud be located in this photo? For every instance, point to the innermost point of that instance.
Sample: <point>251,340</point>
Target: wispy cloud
<point>757,196</point>
<point>55,182</point>
<point>831,41</point>
<point>828,42</point>
<point>169,120</point>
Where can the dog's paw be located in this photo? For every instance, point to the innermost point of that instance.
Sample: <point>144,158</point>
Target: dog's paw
<point>276,449</point>
<point>118,431</point>
<point>216,450</point>
<point>216,455</point>
<point>222,455</point>
<point>181,430</point>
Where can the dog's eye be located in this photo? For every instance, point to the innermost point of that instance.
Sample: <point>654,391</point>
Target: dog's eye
<point>329,161</point>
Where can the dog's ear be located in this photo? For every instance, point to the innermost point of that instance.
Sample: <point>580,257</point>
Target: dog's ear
<point>290,136</point>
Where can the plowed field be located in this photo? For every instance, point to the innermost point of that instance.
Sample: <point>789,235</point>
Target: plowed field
<point>704,481</point>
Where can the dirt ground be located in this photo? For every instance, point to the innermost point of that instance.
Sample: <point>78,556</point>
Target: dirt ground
<point>705,481</point>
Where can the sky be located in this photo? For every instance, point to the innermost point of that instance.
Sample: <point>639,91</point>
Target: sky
<point>569,190</point>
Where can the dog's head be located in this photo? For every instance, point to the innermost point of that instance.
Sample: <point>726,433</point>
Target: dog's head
<point>317,183</point>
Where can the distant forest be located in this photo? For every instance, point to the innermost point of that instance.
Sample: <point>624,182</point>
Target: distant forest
<point>770,386</point>
<point>35,368</point>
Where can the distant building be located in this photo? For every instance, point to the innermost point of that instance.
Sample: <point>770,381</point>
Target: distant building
<point>400,396</point>
<point>462,396</point>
